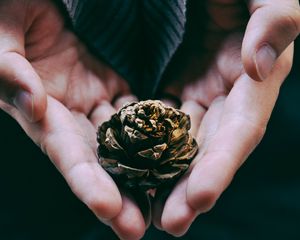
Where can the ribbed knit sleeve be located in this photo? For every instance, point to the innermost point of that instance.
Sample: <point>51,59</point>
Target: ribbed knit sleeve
<point>136,37</point>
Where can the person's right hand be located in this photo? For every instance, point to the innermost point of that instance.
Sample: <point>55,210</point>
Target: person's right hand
<point>59,94</point>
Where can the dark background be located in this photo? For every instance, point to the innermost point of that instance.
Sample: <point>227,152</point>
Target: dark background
<point>263,202</point>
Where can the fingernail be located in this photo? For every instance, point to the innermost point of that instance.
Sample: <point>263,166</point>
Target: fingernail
<point>23,101</point>
<point>264,60</point>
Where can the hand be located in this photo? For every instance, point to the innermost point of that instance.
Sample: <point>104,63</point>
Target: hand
<point>59,94</point>
<point>229,110</point>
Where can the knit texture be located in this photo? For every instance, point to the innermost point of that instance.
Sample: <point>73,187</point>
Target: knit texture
<point>136,37</point>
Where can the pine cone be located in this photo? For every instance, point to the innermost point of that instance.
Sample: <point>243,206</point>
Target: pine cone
<point>146,144</point>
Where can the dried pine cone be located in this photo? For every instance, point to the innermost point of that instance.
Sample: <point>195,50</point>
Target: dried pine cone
<point>146,144</point>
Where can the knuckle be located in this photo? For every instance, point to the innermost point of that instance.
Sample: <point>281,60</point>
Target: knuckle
<point>98,205</point>
<point>45,141</point>
<point>292,19</point>
<point>103,207</point>
<point>251,126</point>
<point>289,21</point>
<point>254,125</point>
<point>258,133</point>
<point>284,64</point>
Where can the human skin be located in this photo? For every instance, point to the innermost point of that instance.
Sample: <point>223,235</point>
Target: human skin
<point>39,55</point>
<point>59,94</point>
<point>230,101</point>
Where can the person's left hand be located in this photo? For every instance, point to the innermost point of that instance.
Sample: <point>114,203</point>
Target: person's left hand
<point>229,110</point>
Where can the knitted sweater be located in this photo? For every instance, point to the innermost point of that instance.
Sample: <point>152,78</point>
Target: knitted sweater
<point>136,37</point>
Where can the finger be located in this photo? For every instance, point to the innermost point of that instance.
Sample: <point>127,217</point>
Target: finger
<point>177,215</point>
<point>142,199</point>
<point>20,86</point>
<point>242,125</point>
<point>273,25</point>
<point>12,27</point>
<point>89,131</point>
<point>158,206</point>
<point>101,113</point>
<point>62,139</point>
<point>129,223</point>
<point>120,101</point>
<point>196,113</point>
<point>209,124</point>
<point>164,216</point>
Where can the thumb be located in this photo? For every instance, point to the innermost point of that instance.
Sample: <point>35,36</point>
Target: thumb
<point>273,26</point>
<point>20,86</point>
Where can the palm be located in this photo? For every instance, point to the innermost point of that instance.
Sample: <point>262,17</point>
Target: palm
<point>69,73</point>
<point>74,80</point>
